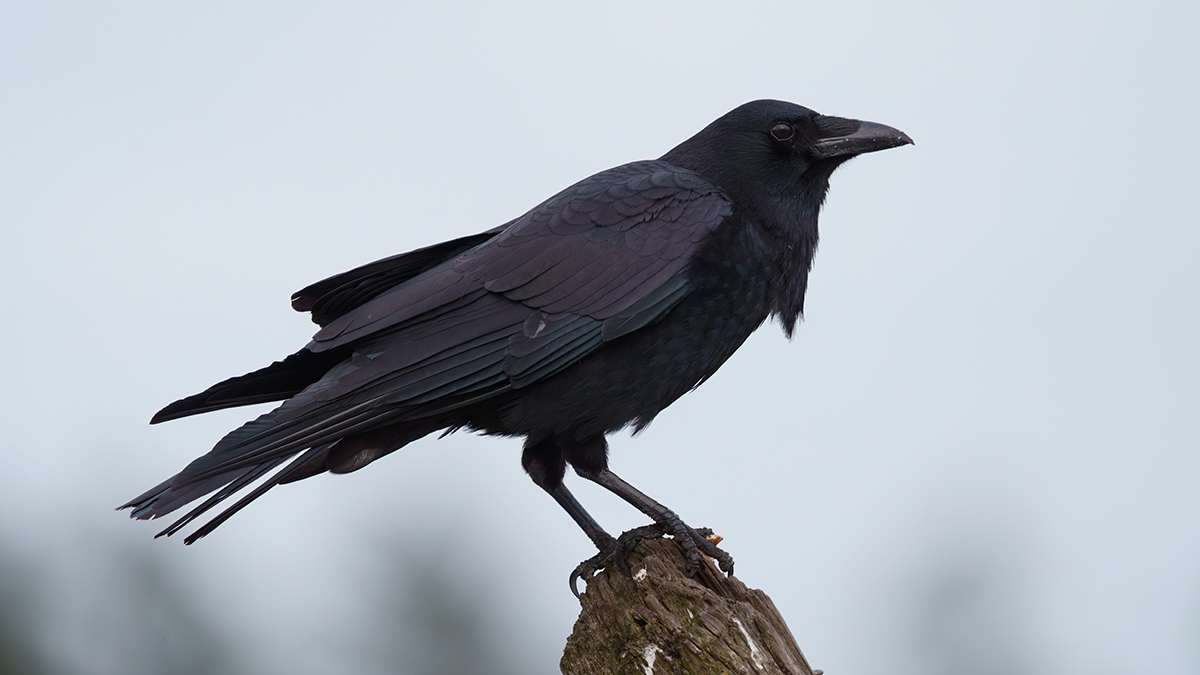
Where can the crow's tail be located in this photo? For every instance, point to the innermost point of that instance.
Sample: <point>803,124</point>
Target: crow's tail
<point>238,461</point>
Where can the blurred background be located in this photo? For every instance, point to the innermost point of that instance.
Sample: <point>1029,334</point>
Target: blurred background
<point>979,454</point>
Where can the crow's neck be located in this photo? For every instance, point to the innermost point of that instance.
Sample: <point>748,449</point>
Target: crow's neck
<point>787,212</point>
<point>790,221</point>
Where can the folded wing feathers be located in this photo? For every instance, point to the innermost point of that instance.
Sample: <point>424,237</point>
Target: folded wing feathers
<point>429,333</point>
<point>330,298</point>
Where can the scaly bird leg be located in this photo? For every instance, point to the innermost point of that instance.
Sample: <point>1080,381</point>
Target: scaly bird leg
<point>603,540</point>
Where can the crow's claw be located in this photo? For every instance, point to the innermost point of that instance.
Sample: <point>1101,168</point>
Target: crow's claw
<point>631,538</point>
<point>695,542</point>
<point>586,569</point>
<point>707,542</point>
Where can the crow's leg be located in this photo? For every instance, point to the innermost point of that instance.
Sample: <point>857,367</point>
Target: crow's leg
<point>693,541</point>
<point>603,540</point>
<point>543,461</point>
<point>590,527</point>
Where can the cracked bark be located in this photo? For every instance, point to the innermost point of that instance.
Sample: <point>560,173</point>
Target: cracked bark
<point>663,623</point>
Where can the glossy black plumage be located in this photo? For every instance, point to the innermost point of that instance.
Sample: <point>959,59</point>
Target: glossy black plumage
<point>590,313</point>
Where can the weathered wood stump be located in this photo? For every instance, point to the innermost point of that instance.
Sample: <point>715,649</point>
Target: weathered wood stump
<point>661,622</point>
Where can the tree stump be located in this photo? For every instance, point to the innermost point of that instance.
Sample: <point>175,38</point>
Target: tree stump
<point>660,622</point>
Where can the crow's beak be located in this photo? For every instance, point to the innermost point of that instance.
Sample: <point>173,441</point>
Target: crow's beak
<point>842,137</point>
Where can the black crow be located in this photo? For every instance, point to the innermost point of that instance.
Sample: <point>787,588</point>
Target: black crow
<point>590,313</point>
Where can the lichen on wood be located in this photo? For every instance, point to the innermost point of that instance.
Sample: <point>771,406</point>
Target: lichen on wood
<point>657,621</point>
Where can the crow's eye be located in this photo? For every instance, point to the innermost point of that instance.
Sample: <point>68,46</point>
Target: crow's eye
<point>782,132</point>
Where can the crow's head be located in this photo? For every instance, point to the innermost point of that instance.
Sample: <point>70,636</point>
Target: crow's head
<point>775,150</point>
<point>774,159</point>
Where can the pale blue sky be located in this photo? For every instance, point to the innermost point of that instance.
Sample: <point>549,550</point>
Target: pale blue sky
<point>985,436</point>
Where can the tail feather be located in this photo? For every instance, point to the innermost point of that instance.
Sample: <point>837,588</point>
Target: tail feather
<point>246,478</point>
<point>235,464</point>
<point>259,491</point>
<point>264,439</point>
<point>178,491</point>
<point>171,494</point>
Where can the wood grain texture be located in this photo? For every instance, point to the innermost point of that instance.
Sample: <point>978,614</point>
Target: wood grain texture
<point>659,621</point>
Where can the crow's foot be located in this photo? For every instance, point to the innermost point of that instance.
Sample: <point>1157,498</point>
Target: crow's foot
<point>708,546</point>
<point>693,541</point>
<point>613,553</point>
<point>697,541</point>
<point>629,540</point>
<point>588,568</point>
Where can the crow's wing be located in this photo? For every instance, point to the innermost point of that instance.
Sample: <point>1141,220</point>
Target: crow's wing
<point>595,249</point>
<point>330,298</point>
<point>600,259</point>
<point>326,300</point>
